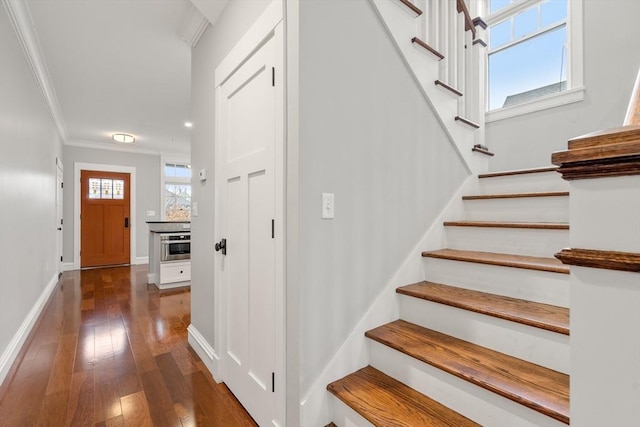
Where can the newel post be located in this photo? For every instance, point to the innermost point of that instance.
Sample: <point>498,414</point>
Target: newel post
<point>476,79</point>
<point>604,171</point>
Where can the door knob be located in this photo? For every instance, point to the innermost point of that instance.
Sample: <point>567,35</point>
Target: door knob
<point>222,246</point>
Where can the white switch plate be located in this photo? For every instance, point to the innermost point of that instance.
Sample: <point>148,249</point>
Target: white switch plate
<point>202,174</point>
<point>194,209</point>
<point>151,213</point>
<point>328,206</point>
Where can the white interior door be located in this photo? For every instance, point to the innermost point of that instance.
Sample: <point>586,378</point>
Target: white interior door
<point>247,103</point>
<point>59,220</point>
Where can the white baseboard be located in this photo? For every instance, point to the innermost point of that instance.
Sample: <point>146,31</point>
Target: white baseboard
<point>142,260</point>
<point>15,345</point>
<point>67,266</point>
<point>206,352</point>
<point>173,285</point>
<point>353,354</point>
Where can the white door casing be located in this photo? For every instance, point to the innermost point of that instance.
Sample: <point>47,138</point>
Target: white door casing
<point>249,205</point>
<point>78,167</point>
<point>59,209</point>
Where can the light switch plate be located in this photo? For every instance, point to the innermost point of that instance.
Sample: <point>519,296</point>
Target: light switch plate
<point>194,209</point>
<point>151,213</point>
<point>328,205</point>
<point>202,174</point>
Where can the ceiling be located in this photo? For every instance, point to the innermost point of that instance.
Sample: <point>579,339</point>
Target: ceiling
<point>118,66</point>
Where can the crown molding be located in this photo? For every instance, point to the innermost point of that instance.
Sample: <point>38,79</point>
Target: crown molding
<point>22,23</point>
<point>124,148</point>
<point>110,147</point>
<point>193,27</point>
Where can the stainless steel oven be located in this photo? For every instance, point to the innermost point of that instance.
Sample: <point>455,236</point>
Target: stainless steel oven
<point>175,246</point>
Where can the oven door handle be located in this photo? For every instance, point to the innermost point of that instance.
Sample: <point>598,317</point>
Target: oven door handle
<point>169,242</point>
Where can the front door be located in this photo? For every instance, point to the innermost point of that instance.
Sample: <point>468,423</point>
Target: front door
<point>247,103</point>
<point>104,218</point>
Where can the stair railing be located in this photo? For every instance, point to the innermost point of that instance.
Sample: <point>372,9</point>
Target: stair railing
<point>448,27</point>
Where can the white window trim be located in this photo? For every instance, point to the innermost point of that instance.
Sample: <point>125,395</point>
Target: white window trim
<point>543,103</point>
<point>575,57</point>
<point>164,159</point>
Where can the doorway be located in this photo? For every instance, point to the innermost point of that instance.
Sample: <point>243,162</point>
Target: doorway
<point>80,193</point>
<point>249,272</point>
<point>104,218</point>
<point>59,212</point>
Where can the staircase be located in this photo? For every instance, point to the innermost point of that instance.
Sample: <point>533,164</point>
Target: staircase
<point>484,339</point>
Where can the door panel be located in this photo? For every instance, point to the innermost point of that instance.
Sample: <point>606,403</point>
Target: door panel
<point>104,235</point>
<point>247,103</point>
<point>59,210</point>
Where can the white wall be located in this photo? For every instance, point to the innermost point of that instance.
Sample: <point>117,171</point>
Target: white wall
<point>367,135</point>
<point>29,146</point>
<point>611,61</point>
<point>147,190</point>
<point>214,45</point>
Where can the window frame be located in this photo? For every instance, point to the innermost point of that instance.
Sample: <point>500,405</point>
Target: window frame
<point>575,82</point>
<point>164,160</point>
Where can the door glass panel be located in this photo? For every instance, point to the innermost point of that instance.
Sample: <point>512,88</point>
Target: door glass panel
<point>94,188</point>
<point>107,184</point>
<point>118,189</point>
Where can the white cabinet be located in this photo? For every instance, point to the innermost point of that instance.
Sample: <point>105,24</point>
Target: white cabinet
<point>174,272</point>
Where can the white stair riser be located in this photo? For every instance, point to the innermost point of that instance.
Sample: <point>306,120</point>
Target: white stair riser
<point>518,241</point>
<point>473,402</point>
<point>522,209</point>
<point>342,415</point>
<point>539,286</point>
<point>533,182</point>
<point>542,347</point>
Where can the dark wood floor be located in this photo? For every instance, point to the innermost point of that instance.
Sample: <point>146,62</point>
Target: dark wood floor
<point>110,350</point>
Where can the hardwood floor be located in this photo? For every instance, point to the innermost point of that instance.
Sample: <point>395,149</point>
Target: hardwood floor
<point>110,350</point>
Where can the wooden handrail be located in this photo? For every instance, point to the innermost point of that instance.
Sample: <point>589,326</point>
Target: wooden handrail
<point>468,22</point>
<point>633,111</point>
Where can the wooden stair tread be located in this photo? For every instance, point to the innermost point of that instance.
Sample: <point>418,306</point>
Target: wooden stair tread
<point>415,9</point>
<point>467,122</point>
<point>533,386</point>
<point>509,224</point>
<point>516,195</point>
<point>419,42</point>
<point>518,172</point>
<point>543,316</point>
<point>506,260</point>
<point>384,401</point>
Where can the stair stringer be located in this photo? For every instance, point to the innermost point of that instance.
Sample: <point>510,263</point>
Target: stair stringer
<point>402,27</point>
<point>316,406</point>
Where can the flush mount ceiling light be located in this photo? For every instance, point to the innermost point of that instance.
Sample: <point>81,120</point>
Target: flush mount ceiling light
<point>188,124</point>
<point>123,137</point>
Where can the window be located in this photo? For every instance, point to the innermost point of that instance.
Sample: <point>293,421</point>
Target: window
<point>177,191</point>
<point>102,188</point>
<point>529,56</point>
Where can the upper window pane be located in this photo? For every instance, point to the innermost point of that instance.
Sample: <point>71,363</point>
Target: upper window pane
<point>525,23</point>
<point>495,5</point>
<point>500,34</point>
<point>528,70</point>
<point>177,170</point>
<point>552,11</point>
